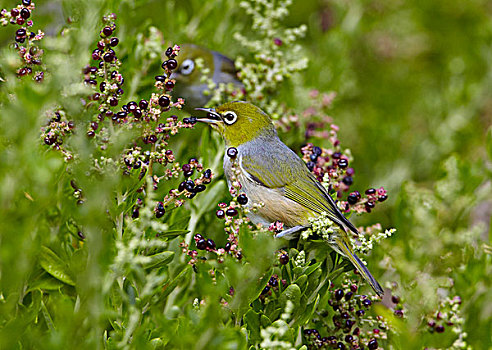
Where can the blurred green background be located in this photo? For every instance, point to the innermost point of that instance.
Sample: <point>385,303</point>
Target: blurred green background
<point>413,81</point>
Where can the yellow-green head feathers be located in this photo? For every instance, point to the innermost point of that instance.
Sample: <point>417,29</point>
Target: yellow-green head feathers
<point>240,122</point>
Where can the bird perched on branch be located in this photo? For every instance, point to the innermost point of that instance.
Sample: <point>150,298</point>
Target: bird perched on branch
<point>272,174</point>
<point>190,84</point>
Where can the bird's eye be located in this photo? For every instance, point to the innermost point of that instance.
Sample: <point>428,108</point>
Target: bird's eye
<point>187,67</point>
<point>229,117</point>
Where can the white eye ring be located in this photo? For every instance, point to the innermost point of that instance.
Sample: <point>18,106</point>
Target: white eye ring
<point>187,67</point>
<point>229,117</point>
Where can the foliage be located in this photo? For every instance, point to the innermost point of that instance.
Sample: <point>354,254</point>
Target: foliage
<point>110,233</point>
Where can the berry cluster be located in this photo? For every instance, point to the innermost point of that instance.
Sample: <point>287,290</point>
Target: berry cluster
<point>56,130</point>
<point>332,167</point>
<point>272,285</point>
<point>446,316</point>
<point>351,326</point>
<point>25,39</point>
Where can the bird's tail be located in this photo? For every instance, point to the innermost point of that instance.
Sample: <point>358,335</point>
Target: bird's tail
<point>343,245</point>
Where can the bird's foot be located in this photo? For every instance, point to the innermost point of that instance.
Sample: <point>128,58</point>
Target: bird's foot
<point>291,233</point>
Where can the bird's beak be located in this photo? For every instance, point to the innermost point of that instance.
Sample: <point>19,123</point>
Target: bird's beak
<point>212,116</point>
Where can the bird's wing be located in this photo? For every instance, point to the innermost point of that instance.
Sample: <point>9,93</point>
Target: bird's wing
<point>287,171</point>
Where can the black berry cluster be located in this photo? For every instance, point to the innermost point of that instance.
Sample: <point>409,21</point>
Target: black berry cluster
<point>25,39</point>
<point>56,130</point>
<point>349,324</point>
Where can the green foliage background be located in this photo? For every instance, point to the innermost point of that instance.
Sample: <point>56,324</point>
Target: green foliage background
<point>413,82</point>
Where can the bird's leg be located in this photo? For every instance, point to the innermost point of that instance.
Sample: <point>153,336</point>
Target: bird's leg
<point>291,233</point>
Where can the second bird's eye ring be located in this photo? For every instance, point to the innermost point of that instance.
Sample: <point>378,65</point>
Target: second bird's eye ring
<point>229,117</point>
<point>187,67</point>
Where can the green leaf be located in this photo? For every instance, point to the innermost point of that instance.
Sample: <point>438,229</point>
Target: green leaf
<point>45,282</point>
<point>55,266</point>
<point>292,293</point>
<point>157,260</point>
<point>302,282</point>
<point>252,321</point>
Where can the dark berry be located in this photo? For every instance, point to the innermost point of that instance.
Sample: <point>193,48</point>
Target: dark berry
<point>25,13</point>
<point>350,171</point>
<point>152,139</point>
<point>160,213</point>
<point>201,244</point>
<point>370,205</point>
<point>317,150</point>
<point>186,167</point>
<point>239,255</point>
<point>169,85</point>
<point>207,174</point>
<point>107,31</point>
<point>172,64</point>
<point>340,345</point>
<point>265,290</point>
<point>182,186</point>
<point>310,165</point>
<point>366,302</point>
<point>232,152</point>
<point>336,155</point>
<point>188,173</point>
<point>14,12</point>
<point>231,212</point>
<point>349,338</point>
<point>137,113</point>
<point>20,32</point>
<point>227,246</point>
<point>135,212</point>
<point>395,299</point>
<point>338,294</point>
<point>91,133</point>
<point>137,164</point>
<point>169,52</point>
<point>121,114</point>
<point>143,104</point>
<point>113,42</point>
<point>48,141</point>
<point>108,57</point>
<point>192,120</point>
<point>399,313</point>
<point>353,288</point>
<point>382,198</point>
<point>20,21</point>
<point>342,163</point>
<point>284,259</point>
<point>371,191</point>
<point>352,199</point>
<point>273,282</point>
<point>373,344</point>
<point>160,78</point>
<point>199,188</point>
<point>347,180</point>
<point>220,214</point>
<point>164,101</point>
<point>313,157</point>
<point>348,296</point>
<point>360,313</point>
<point>210,244</point>
<point>242,199</point>
<point>190,186</point>
<point>26,2</point>
<point>94,125</point>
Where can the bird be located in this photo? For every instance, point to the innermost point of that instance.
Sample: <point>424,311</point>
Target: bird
<point>272,174</point>
<point>189,84</point>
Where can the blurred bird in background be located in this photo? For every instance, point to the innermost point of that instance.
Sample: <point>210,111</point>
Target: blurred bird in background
<point>190,84</point>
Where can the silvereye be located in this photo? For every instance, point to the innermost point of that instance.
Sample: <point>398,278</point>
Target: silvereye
<point>189,84</point>
<point>272,174</point>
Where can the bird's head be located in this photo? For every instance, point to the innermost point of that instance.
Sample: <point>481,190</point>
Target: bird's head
<point>239,122</point>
